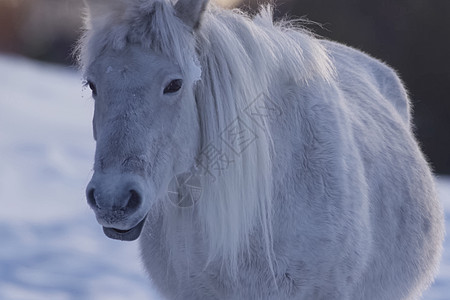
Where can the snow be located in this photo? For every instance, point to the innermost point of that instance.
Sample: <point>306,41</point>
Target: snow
<point>50,244</point>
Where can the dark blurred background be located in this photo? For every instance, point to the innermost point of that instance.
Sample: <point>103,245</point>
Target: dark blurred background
<point>413,36</point>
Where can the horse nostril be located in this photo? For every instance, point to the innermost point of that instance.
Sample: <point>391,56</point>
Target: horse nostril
<point>90,195</point>
<point>121,199</point>
<point>134,201</point>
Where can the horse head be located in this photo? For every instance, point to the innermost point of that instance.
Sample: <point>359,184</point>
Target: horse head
<point>145,123</point>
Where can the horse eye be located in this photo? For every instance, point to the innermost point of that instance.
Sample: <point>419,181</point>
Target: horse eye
<point>173,86</point>
<point>93,88</point>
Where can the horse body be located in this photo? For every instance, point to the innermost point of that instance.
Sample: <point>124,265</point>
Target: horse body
<point>344,223</point>
<point>342,203</point>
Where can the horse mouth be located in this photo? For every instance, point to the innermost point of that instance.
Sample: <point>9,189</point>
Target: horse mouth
<point>124,235</point>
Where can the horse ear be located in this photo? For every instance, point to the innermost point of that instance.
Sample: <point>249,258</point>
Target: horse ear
<point>104,9</point>
<point>191,11</point>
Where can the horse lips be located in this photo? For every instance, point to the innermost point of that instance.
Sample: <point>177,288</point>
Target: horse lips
<point>124,235</point>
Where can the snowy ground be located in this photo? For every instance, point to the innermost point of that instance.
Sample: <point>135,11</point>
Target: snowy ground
<point>50,244</point>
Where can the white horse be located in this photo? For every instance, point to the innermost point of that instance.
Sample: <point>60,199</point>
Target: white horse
<point>254,160</point>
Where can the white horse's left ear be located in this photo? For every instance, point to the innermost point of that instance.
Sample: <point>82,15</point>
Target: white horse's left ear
<point>191,11</point>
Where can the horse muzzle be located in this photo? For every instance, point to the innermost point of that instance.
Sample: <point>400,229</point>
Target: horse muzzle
<point>120,203</point>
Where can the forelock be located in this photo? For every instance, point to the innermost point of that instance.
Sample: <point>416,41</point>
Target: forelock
<point>152,24</point>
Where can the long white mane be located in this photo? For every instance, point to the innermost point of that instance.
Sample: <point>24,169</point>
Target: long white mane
<point>240,58</point>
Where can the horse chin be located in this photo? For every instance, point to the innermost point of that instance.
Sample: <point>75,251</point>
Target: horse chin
<point>124,235</point>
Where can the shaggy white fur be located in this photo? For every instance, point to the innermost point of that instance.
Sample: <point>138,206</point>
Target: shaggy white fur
<point>312,184</point>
